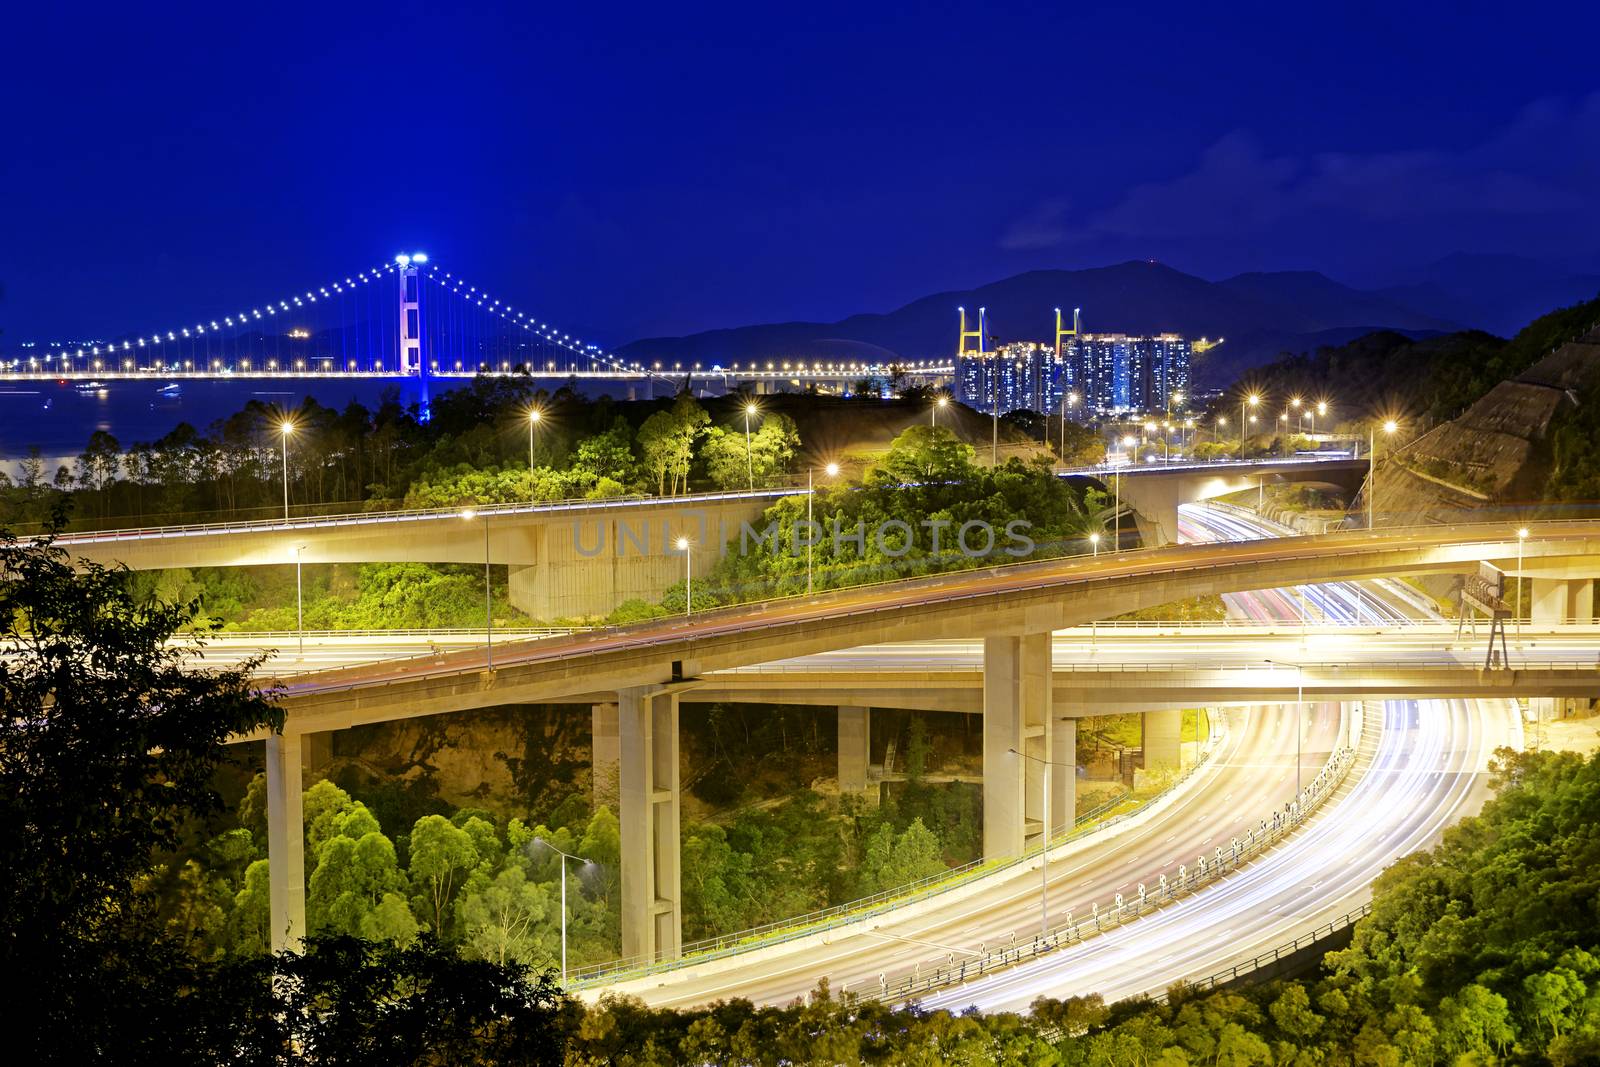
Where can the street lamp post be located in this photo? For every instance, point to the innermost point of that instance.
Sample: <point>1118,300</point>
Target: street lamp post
<point>1299,716</point>
<point>749,462</point>
<point>1389,427</point>
<point>565,856</point>
<point>299,602</point>
<point>488,594</point>
<point>285,428</point>
<point>682,544</point>
<point>1068,401</point>
<point>1094,544</point>
<point>535,416</point>
<point>1522,536</point>
<point>933,411</point>
<point>1253,399</point>
<point>830,470</point>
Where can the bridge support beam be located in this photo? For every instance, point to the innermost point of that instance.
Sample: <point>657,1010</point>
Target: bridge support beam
<point>855,747</point>
<point>605,753</point>
<point>1161,733</point>
<point>286,842</point>
<point>652,913</point>
<point>1016,741</point>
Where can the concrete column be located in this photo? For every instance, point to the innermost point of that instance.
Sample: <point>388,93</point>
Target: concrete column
<point>1016,714</point>
<point>1161,733</point>
<point>605,752</point>
<point>1549,600</point>
<point>1035,700</point>
<point>652,916</point>
<point>1063,774</point>
<point>1580,599</point>
<point>855,746</point>
<point>1002,739</point>
<point>286,842</point>
<point>318,751</point>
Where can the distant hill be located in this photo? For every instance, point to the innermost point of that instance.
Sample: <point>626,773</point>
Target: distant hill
<point>1497,293</point>
<point>1260,314</point>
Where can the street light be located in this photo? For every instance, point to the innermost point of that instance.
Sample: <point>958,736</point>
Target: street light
<point>1253,399</point>
<point>488,596</point>
<point>535,416</point>
<point>1116,510</point>
<point>1044,840</point>
<point>749,463</point>
<point>933,412</point>
<point>682,545</point>
<point>1389,427</point>
<point>285,428</point>
<point>1094,543</point>
<point>1522,536</point>
<point>565,856</point>
<point>1299,714</point>
<point>299,602</point>
<point>831,470</point>
<point>1068,402</point>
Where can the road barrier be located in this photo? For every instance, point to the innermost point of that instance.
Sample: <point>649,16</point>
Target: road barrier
<point>1266,834</point>
<point>785,930</point>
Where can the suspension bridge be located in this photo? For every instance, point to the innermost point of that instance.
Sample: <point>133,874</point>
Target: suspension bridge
<point>409,318</point>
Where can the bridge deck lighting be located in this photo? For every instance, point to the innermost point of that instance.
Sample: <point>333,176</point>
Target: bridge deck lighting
<point>468,514</point>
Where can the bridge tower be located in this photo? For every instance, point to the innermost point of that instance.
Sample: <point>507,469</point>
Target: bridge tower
<point>410,333</point>
<point>961,344</point>
<point>1060,333</point>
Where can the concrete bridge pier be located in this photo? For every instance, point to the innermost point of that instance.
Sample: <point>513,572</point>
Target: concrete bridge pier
<point>855,747</point>
<point>1554,601</point>
<point>605,753</point>
<point>1161,734</point>
<point>652,898</point>
<point>1016,740</point>
<point>286,842</point>
<point>1063,774</point>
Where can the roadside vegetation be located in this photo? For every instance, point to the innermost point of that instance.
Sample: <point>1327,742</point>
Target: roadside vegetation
<point>1483,950</point>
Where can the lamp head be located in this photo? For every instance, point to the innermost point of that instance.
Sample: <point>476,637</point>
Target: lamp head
<point>832,469</point>
<point>535,415</point>
<point>468,514</point>
<point>1522,534</point>
<point>286,427</point>
<point>682,544</point>
<point>1390,426</point>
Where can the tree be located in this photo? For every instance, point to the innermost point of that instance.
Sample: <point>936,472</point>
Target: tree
<point>108,743</point>
<point>440,853</point>
<point>507,919</point>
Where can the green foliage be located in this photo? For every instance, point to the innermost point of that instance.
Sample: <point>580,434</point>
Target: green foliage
<point>771,451</point>
<point>922,494</point>
<point>666,444</point>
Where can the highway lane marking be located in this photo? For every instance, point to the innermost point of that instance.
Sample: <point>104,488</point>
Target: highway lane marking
<point>918,941</point>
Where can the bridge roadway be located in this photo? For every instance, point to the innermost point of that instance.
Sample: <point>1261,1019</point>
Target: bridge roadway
<point>1096,671</point>
<point>1023,598</point>
<point>1218,799</point>
<point>1428,772</point>
<point>576,558</point>
<point>1015,609</point>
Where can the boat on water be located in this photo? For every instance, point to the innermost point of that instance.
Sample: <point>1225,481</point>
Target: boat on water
<point>172,390</point>
<point>91,387</point>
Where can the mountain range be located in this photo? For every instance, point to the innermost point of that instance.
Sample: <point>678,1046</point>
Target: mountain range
<point>1261,314</point>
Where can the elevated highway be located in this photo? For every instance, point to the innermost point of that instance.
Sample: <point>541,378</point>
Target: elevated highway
<point>577,558</point>
<point>652,667</point>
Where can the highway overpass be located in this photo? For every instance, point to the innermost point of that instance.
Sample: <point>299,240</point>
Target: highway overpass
<point>581,558</point>
<point>1014,609</point>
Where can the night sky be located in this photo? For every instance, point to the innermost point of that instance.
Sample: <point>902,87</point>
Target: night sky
<point>631,172</point>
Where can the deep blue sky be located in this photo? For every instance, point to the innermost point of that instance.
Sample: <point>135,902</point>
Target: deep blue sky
<point>669,168</point>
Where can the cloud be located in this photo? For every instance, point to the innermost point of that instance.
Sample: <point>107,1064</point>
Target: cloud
<point>1531,184</point>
